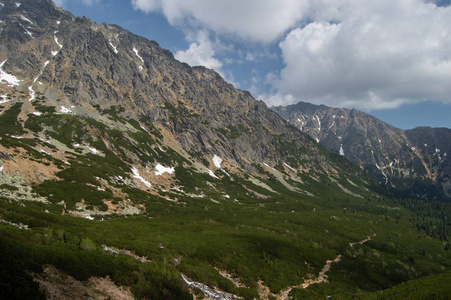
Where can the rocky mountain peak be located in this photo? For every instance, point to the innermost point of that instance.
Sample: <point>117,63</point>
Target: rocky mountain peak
<point>390,153</point>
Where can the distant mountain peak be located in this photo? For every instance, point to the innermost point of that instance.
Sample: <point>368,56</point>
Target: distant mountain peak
<point>388,152</point>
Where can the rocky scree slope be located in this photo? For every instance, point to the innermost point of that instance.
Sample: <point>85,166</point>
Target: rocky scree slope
<point>413,162</point>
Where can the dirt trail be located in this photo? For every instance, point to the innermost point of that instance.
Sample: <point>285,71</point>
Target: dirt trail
<point>283,295</point>
<point>362,242</point>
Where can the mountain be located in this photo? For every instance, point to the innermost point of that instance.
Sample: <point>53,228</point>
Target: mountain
<point>125,173</point>
<point>414,162</point>
<point>75,62</point>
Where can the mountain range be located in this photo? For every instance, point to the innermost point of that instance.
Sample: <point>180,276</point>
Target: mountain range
<point>125,173</point>
<point>413,162</point>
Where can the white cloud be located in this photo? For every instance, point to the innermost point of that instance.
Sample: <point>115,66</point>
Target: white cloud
<point>200,52</point>
<point>259,20</point>
<point>378,54</point>
<point>364,54</point>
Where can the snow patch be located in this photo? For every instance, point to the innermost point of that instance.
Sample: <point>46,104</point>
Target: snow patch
<point>383,173</point>
<point>56,41</point>
<point>114,48</point>
<point>26,19</point>
<point>437,150</point>
<point>144,128</point>
<point>18,4</point>
<point>210,172</point>
<point>160,170</point>
<point>268,166</point>
<point>137,54</point>
<point>89,217</point>
<point>289,167</point>
<point>1,169</point>
<point>30,88</point>
<point>137,176</point>
<point>93,150</point>
<point>342,152</point>
<point>10,79</point>
<point>45,65</point>
<point>217,161</point>
<point>4,99</point>
<point>28,32</point>
<point>43,151</point>
<point>319,123</point>
<point>65,110</point>
<point>58,22</point>
<point>31,92</point>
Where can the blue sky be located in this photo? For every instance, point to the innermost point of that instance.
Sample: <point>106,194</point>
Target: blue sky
<point>389,58</point>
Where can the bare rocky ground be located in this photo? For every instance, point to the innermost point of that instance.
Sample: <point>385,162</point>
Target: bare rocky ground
<point>58,285</point>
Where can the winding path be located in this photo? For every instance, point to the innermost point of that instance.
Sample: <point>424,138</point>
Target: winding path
<point>283,295</point>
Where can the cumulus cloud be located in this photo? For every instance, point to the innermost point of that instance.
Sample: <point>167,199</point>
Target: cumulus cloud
<point>259,20</point>
<point>365,54</point>
<point>200,52</point>
<point>377,54</point>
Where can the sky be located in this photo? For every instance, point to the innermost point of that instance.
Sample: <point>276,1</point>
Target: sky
<point>389,58</point>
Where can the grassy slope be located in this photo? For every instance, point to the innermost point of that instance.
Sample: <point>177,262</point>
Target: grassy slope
<point>278,240</point>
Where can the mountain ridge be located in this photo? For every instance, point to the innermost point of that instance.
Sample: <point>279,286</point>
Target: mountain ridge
<point>398,157</point>
<point>108,79</point>
<point>75,76</point>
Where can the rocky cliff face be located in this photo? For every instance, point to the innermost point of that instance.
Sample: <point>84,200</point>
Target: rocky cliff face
<point>433,145</point>
<point>400,159</point>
